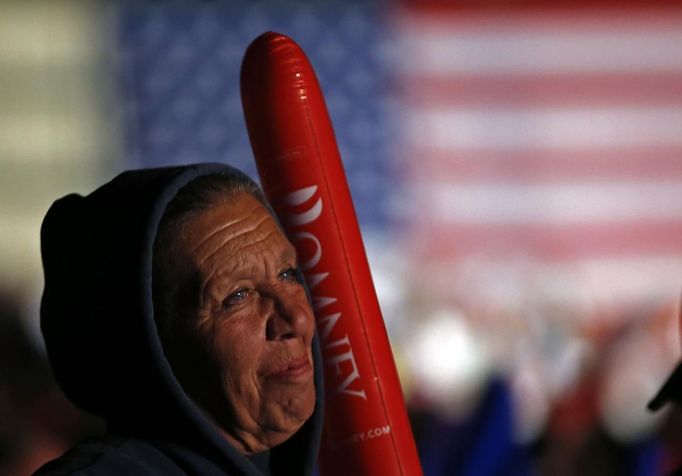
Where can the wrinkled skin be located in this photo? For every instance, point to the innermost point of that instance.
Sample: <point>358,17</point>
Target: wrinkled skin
<point>241,327</point>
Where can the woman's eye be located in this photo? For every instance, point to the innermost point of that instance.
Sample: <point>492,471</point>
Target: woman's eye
<point>288,274</point>
<point>236,297</point>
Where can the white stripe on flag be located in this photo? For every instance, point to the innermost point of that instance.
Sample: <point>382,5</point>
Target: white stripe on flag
<point>545,127</point>
<point>618,280</point>
<point>497,48</point>
<point>451,202</point>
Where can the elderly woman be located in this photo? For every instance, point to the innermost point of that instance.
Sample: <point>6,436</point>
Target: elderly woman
<point>174,309</point>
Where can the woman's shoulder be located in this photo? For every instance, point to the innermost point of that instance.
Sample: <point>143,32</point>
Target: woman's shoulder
<point>111,455</point>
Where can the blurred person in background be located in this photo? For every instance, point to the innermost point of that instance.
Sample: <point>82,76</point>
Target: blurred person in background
<point>174,309</point>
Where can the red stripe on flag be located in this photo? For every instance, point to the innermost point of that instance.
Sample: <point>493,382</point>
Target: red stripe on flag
<point>605,15</point>
<point>551,243</point>
<point>643,89</point>
<point>561,165</point>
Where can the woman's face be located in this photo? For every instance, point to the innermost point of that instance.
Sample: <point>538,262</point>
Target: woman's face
<point>241,324</point>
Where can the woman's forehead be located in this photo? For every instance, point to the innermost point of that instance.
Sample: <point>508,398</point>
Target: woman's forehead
<point>234,230</point>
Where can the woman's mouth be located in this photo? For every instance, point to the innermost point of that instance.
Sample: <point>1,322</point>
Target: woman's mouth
<point>295,370</point>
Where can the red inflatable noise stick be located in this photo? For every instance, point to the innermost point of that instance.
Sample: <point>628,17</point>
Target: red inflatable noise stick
<point>366,429</point>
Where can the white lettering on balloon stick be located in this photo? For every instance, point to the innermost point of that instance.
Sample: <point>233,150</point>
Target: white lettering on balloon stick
<point>338,353</point>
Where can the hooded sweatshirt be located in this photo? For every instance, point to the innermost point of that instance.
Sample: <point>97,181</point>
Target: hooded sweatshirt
<point>97,319</point>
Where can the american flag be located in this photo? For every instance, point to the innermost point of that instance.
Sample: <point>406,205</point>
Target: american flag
<point>544,141</point>
<point>499,151</point>
<point>180,63</point>
<point>520,148</point>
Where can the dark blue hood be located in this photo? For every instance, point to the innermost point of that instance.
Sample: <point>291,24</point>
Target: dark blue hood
<point>98,325</point>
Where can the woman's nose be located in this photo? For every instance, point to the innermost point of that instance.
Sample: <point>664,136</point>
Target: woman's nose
<point>290,317</point>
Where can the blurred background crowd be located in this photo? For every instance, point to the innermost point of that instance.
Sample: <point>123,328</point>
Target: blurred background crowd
<point>516,167</point>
